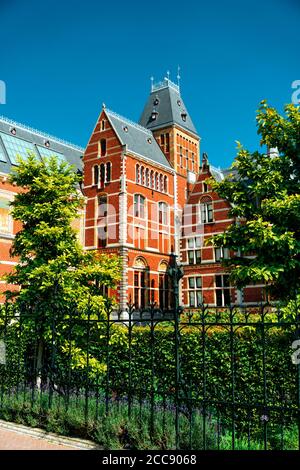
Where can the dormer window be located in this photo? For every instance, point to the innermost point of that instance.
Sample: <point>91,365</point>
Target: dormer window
<point>154,114</point>
<point>183,116</point>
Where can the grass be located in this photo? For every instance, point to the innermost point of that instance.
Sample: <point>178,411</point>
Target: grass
<point>141,430</point>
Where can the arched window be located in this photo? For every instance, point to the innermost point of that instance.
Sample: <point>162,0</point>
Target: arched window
<point>102,175</point>
<point>156,182</point>
<point>152,179</point>
<point>142,175</point>
<point>108,172</point>
<point>206,210</point>
<point>161,182</point>
<point>147,177</point>
<point>165,184</point>
<point>162,213</point>
<point>103,147</point>
<point>137,174</point>
<point>96,174</point>
<point>140,282</point>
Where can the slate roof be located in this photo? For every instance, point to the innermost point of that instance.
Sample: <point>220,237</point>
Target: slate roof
<point>35,140</point>
<point>138,139</point>
<point>165,99</point>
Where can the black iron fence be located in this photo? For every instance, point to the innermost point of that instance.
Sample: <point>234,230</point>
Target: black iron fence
<point>212,379</point>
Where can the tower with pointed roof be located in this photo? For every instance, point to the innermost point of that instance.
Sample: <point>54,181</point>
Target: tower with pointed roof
<point>166,115</point>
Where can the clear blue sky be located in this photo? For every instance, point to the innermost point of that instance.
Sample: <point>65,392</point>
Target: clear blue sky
<point>61,59</point>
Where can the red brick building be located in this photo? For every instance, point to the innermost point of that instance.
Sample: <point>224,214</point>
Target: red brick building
<point>146,199</point>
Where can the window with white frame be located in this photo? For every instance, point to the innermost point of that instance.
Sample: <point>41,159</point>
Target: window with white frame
<point>6,221</point>
<point>162,213</point>
<point>206,209</point>
<point>194,250</point>
<point>222,290</point>
<point>195,291</point>
<point>139,206</point>
<point>221,253</point>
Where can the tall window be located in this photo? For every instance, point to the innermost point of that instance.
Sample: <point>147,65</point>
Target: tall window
<point>194,250</point>
<point>162,213</point>
<point>103,147</point>
<point>156,181</point>
<point>102,125</point>
<point>102,205</point>
<point>142,178</point>
<point>165,184</point>
<point>195,291</point>
<point>167,142</point>
<point>152,179</point>
<point>102,175</point>
<point>206,207</point>
<point>6,225</point>
<point>140,289</point>
<point>139,206</point>
<point>147,177</point>
<point>161,183</point>
<point>221,253</point>
<point>180,157</point>
<point>108,172</point>
<point>102,221</point>
<point>164,291</point>
<point>193,162</point>
<point>222,290</point>
<point>137,174</point>
<point>96,174</point>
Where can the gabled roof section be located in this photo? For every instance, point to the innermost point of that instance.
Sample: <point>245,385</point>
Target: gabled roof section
<point>18,139</point>
<point>138,139</point>
<point>166,104</point>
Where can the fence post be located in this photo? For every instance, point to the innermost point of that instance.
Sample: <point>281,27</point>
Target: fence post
<point>176,273</point>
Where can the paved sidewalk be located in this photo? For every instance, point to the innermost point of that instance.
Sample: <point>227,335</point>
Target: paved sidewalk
<point>18,437</point>
<point>12,440</point>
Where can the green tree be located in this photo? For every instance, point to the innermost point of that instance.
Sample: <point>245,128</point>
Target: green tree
<point>264,192</point>
<point>54,274</point>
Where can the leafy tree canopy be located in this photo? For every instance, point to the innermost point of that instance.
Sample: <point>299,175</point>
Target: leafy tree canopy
<point>53,268</point>
<point>264,192</point>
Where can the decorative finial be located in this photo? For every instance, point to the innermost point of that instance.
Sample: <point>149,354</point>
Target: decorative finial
<point>152,80</point>
<point>178,76</point>
<point>168,74</point>
<point>103,105</point>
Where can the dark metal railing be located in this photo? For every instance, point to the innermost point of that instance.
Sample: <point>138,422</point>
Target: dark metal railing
<point>211,379</point>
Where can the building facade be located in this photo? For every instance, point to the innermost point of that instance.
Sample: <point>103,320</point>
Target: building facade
<point>146,200</point>
<point>17,139</point>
